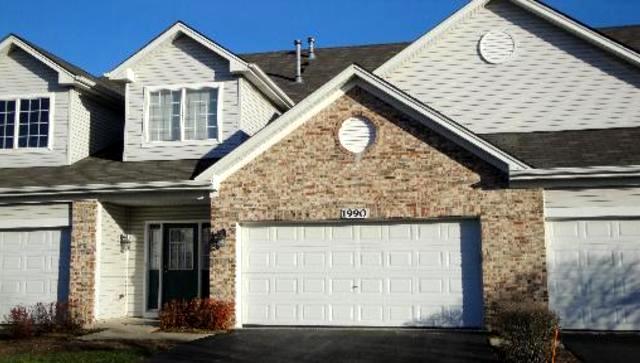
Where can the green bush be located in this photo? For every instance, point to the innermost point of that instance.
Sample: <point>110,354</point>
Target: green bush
<point>196,314</point>
<point>528,333</point>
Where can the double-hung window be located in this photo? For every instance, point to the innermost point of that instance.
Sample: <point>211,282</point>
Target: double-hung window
<point>25,123</point>
<point>184,113</point>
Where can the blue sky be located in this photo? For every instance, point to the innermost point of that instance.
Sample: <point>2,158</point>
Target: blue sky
<point>97,35</point>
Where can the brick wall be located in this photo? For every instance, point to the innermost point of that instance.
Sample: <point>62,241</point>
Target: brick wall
<point>409,172</point>
<point>84,218</point>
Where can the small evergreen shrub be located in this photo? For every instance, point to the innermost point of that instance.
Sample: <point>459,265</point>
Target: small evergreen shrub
<point>528,331</point>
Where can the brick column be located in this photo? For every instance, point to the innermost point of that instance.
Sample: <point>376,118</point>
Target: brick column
<point>84,219</point>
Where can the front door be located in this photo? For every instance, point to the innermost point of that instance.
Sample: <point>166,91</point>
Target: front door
<point>180,265</point>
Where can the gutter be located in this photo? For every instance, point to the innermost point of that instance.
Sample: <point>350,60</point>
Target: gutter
<point>264,78</point>
<point>594,172</point>
<point>72,189</point>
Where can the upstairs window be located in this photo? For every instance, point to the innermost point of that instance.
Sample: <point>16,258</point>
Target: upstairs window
<point>25,123</point>
<point>188,113</point>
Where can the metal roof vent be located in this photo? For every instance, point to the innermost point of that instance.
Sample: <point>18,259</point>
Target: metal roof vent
<point>298,44</point>
<point>312,47</point>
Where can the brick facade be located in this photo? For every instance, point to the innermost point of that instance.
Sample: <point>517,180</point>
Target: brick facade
<point>84,216</point>
<point>409,172</point>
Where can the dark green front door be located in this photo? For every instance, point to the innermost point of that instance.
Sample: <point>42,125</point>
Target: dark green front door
<point>180,262</point>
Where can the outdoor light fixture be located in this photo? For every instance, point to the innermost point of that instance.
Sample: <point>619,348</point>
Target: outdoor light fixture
<point>219,239</point>
<point>125,242</point>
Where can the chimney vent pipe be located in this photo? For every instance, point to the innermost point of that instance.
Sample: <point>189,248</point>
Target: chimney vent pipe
<point>298,44</point>
<point>312,47</point>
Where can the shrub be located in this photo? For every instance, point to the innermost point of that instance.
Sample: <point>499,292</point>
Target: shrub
<point>529,333</point>
<point>196,314</point>
<point>20,322</point>
<point>41,318</point>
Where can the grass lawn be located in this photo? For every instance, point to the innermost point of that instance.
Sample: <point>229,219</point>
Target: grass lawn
<point>102,356</point>
<point>68,349</point>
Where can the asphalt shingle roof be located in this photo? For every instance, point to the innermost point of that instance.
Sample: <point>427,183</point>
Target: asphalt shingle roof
<point>280,65</point>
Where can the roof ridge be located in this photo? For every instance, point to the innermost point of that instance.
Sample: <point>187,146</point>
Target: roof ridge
<point>331,47</point>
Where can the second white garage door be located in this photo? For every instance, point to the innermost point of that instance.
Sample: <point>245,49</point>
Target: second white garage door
<point>421,274</point>
<point>594,273</point>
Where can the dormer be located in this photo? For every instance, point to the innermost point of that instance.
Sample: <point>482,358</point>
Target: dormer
<point>52,113</point>
<point>187,97</point>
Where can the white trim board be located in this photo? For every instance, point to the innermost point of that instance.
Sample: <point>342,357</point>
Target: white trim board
<point>533,6</point>
<point>65,77</point>
<point>124,71</point>
<point>331,91</point>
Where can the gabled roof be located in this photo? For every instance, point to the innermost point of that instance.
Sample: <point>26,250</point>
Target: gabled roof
<point>68,73</point>
<point>537,8</point>
<point>352,76</point>
<point>124,72</point>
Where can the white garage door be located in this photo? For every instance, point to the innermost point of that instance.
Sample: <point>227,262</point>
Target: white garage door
<point>425,274</point>
<point>594,273</point>
<point>34,267</point>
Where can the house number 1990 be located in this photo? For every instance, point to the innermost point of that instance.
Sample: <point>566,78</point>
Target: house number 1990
<point>354,213</point>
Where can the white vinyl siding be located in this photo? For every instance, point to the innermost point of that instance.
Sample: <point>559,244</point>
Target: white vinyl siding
<point>369,274</point>
<point>592,202</point>
<point>23,215</point>
<point>257,110</point>
<point>112,263</point>
<point>555,81</point>
<point>22,75</point>
<point>94,126</point>
<point>181,61</point>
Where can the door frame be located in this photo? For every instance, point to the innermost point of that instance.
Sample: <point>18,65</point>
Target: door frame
<point>153,313</point>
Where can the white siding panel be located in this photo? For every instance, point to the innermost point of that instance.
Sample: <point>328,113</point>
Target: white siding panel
<point>596,202</point>
<point>22,74</point>
<point>112,263</point>
<point>94,126</point>
<point>256,110</point>
<point>46,215</point>
<point>555,81</point>
<point>181,61</point>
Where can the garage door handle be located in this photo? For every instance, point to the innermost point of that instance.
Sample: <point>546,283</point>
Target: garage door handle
<point>354,287</point>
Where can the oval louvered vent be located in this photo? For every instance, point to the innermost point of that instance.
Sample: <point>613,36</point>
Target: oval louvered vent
<point>356,134</point>
<point>497,47</point>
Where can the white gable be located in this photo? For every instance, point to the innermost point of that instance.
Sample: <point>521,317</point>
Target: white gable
<point>554,80</point>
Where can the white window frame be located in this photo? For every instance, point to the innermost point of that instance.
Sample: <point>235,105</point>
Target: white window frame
<point>183,111</point>
<point>18,99</point>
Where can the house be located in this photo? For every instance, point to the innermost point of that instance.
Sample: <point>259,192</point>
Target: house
<point>493,159</point>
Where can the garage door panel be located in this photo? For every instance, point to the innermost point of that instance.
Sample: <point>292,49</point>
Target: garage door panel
<point>593,280</point>
<point>33,267</point>
<point>363,276</point>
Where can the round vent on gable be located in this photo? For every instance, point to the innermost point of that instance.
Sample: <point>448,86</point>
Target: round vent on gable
<point>356,134</point>
<point>497,47</point>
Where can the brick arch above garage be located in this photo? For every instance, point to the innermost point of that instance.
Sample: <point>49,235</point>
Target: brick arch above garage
<point>409,173</point>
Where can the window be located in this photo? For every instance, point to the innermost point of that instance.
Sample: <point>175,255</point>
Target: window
<point>7,124</point>
<point>184,113</point>
<point>25,123</point>
<point>181,249</point>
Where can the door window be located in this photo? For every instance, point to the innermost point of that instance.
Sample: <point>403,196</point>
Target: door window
<point>180,249</point>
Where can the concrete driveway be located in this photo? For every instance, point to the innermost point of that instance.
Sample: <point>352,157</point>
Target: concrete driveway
<point>334,345</point>
<point>603,347</point>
